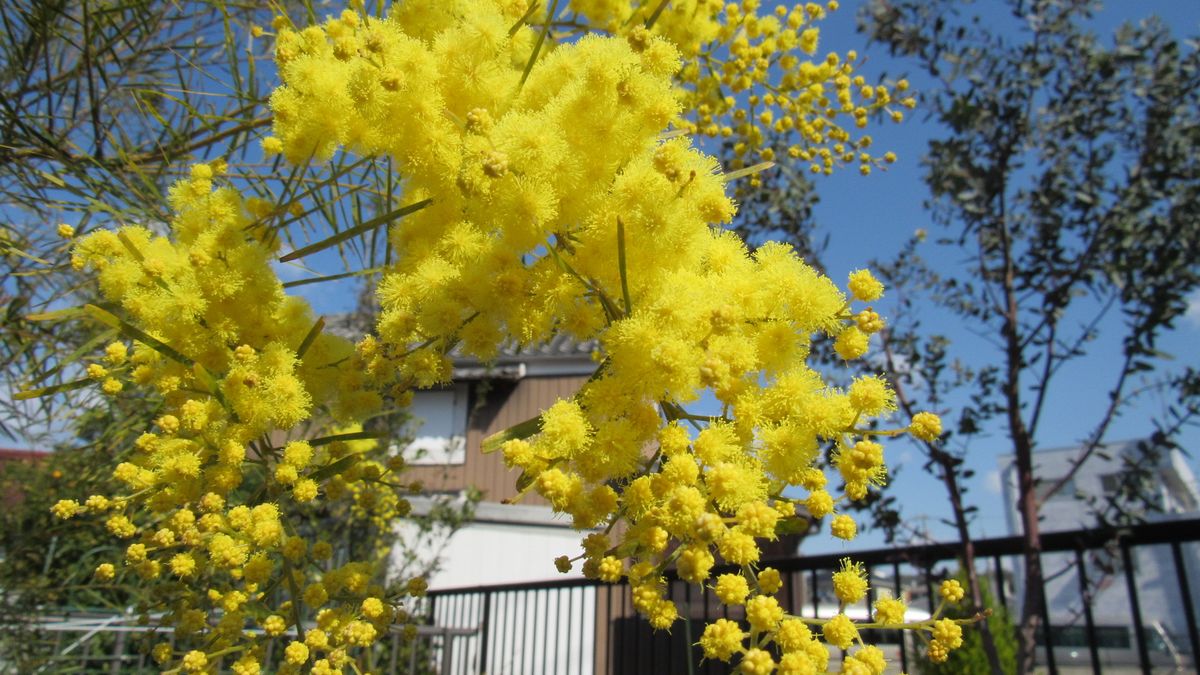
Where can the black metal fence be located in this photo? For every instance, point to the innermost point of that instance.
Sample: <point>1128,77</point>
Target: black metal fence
<point>1117,602</point>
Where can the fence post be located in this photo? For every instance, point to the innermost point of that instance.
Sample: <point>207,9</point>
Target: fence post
<point>483,628</point>
<point>1135,607</point>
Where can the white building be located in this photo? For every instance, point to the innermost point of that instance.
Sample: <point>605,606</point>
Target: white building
<point>1171,487</point>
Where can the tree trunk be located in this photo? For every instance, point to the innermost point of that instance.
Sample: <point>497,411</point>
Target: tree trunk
<point>968,554</point>
<point>1034,598</point>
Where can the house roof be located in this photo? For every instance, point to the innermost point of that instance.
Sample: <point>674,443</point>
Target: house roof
<point>561,355</point>
<point>13,454</point>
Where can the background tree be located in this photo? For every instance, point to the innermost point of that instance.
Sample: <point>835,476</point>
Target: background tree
<point>1068,181</point>
<point>102,105</point>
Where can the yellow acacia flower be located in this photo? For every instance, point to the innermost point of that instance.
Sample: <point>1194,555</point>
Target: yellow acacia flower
<point>722,639</point>
<point>850,582</point>
<point>951,590</point>
<point>926,426</point>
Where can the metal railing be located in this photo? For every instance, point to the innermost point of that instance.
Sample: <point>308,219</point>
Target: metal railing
<point>1117,601</point>
<point>98,642</point>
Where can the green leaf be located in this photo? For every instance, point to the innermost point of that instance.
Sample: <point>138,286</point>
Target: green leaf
<point>136,333</point>
<point>351,436</point>
<point>53,179</point>
<point>734,175</point>
<point>311,337</point>
<point>331,470</point>
<point>621,266</point>
<point>537,47</point>
<point>524,482</point>
<point>792,525</point>
<point>56,315</point>
<point>332,277</point>
<point>520,431</point>
<point>211,384</point>
<point>52,389</point>
<point>355,231</point>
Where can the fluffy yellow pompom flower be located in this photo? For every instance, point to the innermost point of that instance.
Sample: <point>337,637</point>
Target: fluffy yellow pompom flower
<point>843,527</point>
<point>951,590</point>
<point>763,612</point>
<point>819,503</point>
<point>757,662</point>
<point>541,198</point>
<point>105,572</point>
<point>296,653</point>
<point>840,631</point>
<point>871,395</point>
<point>850,582</point>
<point>722,639</point>
<point>938,652</point>
<point>851,343</point>
<point>890,611</point>
<point>274,625</point>
<point>769,581</point>
<point>926,426</point>
<point>865,286</point>
<point>195,661</point>
<point>947,632</point>
<point>732,589</point>
<point>66,508</point>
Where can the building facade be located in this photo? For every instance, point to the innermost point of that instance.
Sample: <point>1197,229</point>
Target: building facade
<point>1101,484</point>
<point>505,542</point>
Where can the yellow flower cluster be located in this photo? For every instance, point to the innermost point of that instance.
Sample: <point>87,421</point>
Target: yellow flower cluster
<point>240,370</point>
<point>540,197</point>
<point>544,201</point>
<point>754,77</point>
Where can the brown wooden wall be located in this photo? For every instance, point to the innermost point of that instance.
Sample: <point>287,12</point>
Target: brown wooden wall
<point>496,406</point>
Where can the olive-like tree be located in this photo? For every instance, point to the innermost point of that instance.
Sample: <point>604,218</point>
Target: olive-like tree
<point>1067,178</point>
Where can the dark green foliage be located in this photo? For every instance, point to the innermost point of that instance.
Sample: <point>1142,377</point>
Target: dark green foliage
<point>970,659</point>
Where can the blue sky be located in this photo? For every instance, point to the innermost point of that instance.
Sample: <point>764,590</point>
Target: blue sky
<point>870,217</point>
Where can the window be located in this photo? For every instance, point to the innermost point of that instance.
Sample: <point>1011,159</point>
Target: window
<point>1066,492</point>
<point>1110,483</point>
<point>438,428</point>
<point>1107,637</point>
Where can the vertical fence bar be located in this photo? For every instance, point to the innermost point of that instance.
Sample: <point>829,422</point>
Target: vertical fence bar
<point>510,618</point>
<point>610,657</point>
<point>582,611</point>
<point>485,625</point>
<point>1001,592</point>
<point>1136,608</point>
<point>625,600</point>
<point>815,601</point>
<point>526,633</point>
<point>544,619</point>
<point>1085,596</point>
<point>1189,610</point>
<point>1047,632</point>
<point>558,622</point>
<point>456,648</point>
<point>687,627</point>
<point>929,587</point>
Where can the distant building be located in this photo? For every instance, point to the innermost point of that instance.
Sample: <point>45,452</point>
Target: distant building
<point>505,543</point>
<point>1170,485</point>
